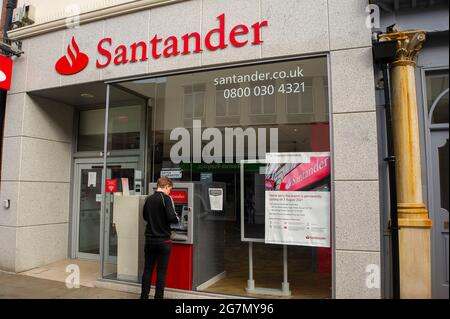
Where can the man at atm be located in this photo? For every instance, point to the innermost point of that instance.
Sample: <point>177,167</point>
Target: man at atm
<point>159,213</point>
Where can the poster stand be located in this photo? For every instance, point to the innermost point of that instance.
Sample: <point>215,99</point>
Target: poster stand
<point>251,288</point>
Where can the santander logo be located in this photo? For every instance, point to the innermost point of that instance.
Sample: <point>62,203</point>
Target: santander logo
<point>75,62</point>
<point>5,72</point>
<point>116,54</point>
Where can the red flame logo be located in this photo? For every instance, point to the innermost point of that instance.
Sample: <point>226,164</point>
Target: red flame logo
<point>74,63</point>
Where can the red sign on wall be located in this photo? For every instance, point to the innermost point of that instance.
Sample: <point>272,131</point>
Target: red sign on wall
<point>141,50</point>
<point>75,61</point>
<point>111,185</point>
<point>179,196</point>
<point>5,72</point>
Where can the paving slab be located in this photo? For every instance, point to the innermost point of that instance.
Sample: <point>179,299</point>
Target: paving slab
<point>26,287</point>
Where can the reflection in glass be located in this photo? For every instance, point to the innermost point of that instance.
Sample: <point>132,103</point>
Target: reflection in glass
<point>437,83</point>
<point>440,113</point>
<point>443,175</point>
<point>125,125</point>
<point>220,100</point>
<point>89,223</point>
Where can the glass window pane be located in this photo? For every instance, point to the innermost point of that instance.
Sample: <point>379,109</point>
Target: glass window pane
<point>292,101</point>
<point>188,89</point>
<point>269,104</point>
<point>256,105</point>
<point>437,83</point>
<point>233,107</point>
<point>188,106</point>
<point>440,113</point>
<point>220,104</point>
<point>443,175</point>
<point>307,100</point>
<point>200,87</point>
<point>199,104</point>
<point>123,177</point>
<point>125,127</point>
<point>91,130</point>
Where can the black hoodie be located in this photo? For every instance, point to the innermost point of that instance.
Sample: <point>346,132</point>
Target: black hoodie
<point>159,213</point>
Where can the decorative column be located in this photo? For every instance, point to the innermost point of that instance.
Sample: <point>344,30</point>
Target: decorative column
<point>414,223</point>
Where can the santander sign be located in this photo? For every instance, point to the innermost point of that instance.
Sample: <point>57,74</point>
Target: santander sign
<point>218,38</point>
<point>74,62</point>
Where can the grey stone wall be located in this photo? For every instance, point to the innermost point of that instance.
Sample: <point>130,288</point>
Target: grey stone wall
<point>36,178</point>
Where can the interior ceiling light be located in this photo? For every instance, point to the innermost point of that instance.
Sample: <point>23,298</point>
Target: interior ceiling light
<point>87,95</point>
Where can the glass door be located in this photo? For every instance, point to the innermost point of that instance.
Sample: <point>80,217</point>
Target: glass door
<point>87,207</point>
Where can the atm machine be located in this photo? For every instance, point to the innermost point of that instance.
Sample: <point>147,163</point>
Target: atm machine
<point>197,258</point>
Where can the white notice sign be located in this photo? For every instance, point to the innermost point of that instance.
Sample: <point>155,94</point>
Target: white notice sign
<point>92,179</point>
<point>125,187</point>
<point>298,218</point>
<point>216,198</point>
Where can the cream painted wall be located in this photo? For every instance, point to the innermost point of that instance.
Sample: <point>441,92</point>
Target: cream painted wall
<point>49,10</point>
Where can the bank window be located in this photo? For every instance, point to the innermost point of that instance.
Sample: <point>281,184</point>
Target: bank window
<point>124,128</point>
<point>226,107</point>
<point>223,199</point>
<point>194,101</point>
<point>263,101</point>
<point>302,103</point>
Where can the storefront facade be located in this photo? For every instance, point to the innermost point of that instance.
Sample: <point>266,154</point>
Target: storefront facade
<point>299,73</point>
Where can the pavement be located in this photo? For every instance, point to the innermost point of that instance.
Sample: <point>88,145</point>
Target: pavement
<point>25,287</point>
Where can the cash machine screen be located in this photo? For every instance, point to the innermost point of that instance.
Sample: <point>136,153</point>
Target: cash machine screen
<point>180,199</point>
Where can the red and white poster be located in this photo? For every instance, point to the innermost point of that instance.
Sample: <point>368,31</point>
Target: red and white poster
<point>298,199</point>
<point>5,72</point>
<point>111,185</point>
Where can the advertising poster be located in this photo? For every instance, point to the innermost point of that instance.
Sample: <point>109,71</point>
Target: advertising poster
<point>297,199</point>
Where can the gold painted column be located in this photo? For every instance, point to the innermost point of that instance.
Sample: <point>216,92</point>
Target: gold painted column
<point>414,222</point>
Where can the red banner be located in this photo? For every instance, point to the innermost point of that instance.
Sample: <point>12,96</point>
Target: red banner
<point>179,196</point>
<point>306,174</point>
<point>5,72</point>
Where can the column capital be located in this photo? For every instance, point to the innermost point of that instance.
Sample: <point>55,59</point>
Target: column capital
<point>409,43</point>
